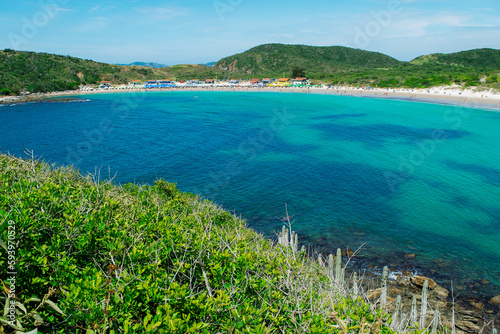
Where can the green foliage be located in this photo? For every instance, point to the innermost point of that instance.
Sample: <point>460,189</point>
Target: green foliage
<point>92,257</point>
<point>5,91</point>
<point>484,59</point>
<point>298,72</point>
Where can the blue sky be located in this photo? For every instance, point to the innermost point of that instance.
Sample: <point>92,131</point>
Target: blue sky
<point>199,31</point>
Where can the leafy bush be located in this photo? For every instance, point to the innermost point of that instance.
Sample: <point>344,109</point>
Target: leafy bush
<point>95,258</point>
<point>5,91</point>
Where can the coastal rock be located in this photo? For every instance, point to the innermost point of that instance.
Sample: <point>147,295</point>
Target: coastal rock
<point>441,292</point>
<point>403,282</point>
<point>485,282</point>
<point>406,273</point>
<point>477,305</point>
<point>409,256</point>
<point>468,326</point>
<point>395,291</point>
<point>495,300</point>
<point>374,293</point>
<point>470,316</point>
<point>419,281</point>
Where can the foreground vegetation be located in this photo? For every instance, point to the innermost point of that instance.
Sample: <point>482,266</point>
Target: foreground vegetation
<point>91,257</point>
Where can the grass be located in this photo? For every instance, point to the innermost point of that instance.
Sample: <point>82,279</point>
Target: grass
<point>93,257</point>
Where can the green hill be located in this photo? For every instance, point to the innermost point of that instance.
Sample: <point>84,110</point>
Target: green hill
<point>478,58</point>
<point>478,68</point>
<point>279,59</point>
<point>43,72</point>
<point>347,66</point>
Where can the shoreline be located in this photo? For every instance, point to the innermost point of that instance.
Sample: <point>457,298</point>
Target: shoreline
<point>439,95</point>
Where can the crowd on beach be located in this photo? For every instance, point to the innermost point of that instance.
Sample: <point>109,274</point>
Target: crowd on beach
<point>445,95</point>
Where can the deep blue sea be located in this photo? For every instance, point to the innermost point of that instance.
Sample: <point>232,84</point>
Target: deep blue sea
<point>397,177</point>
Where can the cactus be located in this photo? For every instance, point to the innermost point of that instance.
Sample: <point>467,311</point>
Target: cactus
<point>342,276</point>
<point>435,321</point>
<point>284,236</point>
<point>331,265</point>
<point>338,264</point>
<point>383,297</point>
<point>287,238</point>
<point>495,331</point>
<point>397,314</point>
<point>296,243</point>
<point>355,288</point>
<point>413,312</point>
<point>320,260</point>
<point>402,324</point>
<point>423,311</point>
<point>303,249</point>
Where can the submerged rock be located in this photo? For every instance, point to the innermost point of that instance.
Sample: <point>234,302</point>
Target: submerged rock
<point>441,292</point>
<point>495,300</point>
<point>468,326</point>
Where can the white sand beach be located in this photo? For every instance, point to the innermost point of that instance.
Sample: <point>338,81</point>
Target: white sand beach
<point>442,95</point>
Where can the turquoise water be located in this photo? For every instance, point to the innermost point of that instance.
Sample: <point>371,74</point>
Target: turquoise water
<point>397,177</point>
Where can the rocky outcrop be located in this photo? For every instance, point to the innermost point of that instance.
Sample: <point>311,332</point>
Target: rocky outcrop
<point>231,67</point>
<point>467,320</point>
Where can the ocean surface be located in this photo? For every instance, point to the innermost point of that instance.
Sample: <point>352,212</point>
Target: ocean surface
<point>395,177</point>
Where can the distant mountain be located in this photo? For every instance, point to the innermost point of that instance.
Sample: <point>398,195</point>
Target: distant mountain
<point>478,58</point>
<point>212,63</point>
<point>280,59</point>
<point>153,65</point>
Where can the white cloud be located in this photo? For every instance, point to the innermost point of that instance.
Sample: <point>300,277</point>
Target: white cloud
<point>64,9</point>
<point>418,24</point>
<point>311,31</point>
<point>279,35</point>
<point>164,13</point>
<point>96,24</point>
<point>94,8</point>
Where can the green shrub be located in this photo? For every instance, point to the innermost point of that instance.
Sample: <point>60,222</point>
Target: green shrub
<point>92,257</point>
